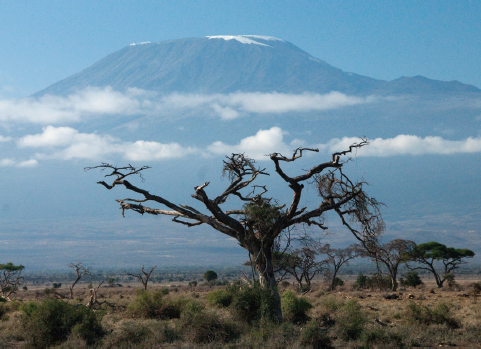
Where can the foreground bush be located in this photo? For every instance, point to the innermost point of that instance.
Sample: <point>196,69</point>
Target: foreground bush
<point>253,303</point>
<point>208,327</point>
<point>295,309</point>
<point>220,298</point>
<point>351,320</point>
<point>315,336</point>
<point>148,333</point>
<point>420,314</point>
<point>154,305</point>
<point>52,321</point>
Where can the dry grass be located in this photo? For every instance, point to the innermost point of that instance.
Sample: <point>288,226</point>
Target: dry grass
<point>385,321</point>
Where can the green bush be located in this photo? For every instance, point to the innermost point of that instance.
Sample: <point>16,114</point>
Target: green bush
<point>52,321</point>
<point>295,309</point>
<point>379,281</point>
<point>382,338</point>
<point>313,335</point>
<point>210,275</point>
<point>351,320</point>
<point>331,303</point>
<point>200,327</point>
<point>153,305</point>
<point>450,279</point>
<point>253,303</point>
<point>362,281</point>
<point>420,314</point>
<point>338,282</point>
<point>412,279</point>
<point>220,298</point>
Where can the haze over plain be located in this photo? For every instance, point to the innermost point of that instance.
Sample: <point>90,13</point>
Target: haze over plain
<point>180,105</point>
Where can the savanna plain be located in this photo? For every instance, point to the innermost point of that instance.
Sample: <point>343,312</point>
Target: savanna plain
<point>229,313</point>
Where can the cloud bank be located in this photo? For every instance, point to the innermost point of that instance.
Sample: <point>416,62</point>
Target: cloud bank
<point>14,163</point>
<point>406,145</point>
<point>97,102</point>
<point>66,143</point>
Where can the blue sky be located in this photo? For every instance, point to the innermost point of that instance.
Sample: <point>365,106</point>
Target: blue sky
<point>45,41</point>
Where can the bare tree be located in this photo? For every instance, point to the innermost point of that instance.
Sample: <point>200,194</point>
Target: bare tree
<point>10,279</point>
<point>390,254</point>
<point>143,276</point>
<point>93,297</point>
<point>80,272</point>
<point>337,257</point>
<point>260,220</point>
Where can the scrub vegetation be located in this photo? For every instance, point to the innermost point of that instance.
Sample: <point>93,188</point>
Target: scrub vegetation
<point>240,315</point>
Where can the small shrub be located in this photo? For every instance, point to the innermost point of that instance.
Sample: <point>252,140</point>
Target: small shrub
<point>24,288</point>
<point>295,309</point>
<point>331,303</point>
<point>253,303</point>
<point>130,332</point>
<point>57,285</point>
<point>219,298</point>
<point>313,335</point>
<point>420,314</point>
<point>192,283</point>
<point>52,321</point>
<point>380,282</point>
<point>412,279</point>
<point>381,337</point>
<point>476,288</point>
<point>338,282</point>
<point>201,327</point>
<point>362,281</point>
<point>153,305</point>
<point>351,320</point>
<point>450,279</point>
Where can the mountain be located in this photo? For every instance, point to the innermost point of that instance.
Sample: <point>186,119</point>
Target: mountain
<point>201,99</point>
<point>224,64</point>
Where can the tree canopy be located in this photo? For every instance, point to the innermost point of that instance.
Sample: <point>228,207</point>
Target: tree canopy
<point>430,252</point>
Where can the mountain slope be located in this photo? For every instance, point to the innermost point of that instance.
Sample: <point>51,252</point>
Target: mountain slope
<point>228,64</point>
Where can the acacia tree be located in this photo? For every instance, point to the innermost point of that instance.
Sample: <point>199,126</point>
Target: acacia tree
<point>260,220</point>
<point>391,255</point>
<point>10,279</point>
<point>302,265</point>
<point>80,272</point>
<point>428,253</point>
<point>337,257</point>
<point>143,276</point>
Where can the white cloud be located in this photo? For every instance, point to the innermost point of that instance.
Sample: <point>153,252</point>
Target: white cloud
<point>11,162</point>
<point>406,145</point>
<point>257,147</point>
<point>230,106</point>
<point>67,143</point>
<point>7,162</point>
<point>94,101</point>
<point>28,163</point>
<point>56,109</point>
<point>5,139</point>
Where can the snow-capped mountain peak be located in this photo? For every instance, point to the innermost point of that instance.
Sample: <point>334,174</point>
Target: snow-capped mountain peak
<point>245,39</point>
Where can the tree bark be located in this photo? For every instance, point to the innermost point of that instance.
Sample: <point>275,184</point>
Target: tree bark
<point>263,265</point>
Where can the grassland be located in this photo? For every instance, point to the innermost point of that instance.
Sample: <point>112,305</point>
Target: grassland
<point>182,316</point>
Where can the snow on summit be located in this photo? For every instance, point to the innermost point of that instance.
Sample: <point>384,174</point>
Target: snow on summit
<point>245,39</point>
